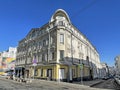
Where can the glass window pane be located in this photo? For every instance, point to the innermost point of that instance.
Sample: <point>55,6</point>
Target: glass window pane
<point>62,38</point>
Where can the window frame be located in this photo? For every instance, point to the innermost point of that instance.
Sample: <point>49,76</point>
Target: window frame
<point>61,38</point>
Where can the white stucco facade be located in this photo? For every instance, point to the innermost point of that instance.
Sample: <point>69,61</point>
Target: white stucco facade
<point>60,44</point>
<point>117,64</point>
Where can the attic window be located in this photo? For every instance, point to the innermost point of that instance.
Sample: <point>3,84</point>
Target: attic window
<point>60,17</point>
<point>33,34</point>
<point>61,23</point>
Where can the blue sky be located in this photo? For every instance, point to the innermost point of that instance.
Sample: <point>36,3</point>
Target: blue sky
<point>98,20</point>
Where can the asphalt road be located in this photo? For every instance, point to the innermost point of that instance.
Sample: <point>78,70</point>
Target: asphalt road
<point>6,84</point>
<point>108,84</point>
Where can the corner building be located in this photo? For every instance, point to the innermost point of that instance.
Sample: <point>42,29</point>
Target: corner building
<point>61,52</point>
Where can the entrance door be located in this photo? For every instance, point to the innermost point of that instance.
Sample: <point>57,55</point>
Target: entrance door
<point>61,74</point>
<point>91,76</point>
<point>49,72</point>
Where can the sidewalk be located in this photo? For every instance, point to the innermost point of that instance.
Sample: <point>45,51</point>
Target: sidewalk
<point>91,82</point>
<point>71,86</point>
<point>53,85</point>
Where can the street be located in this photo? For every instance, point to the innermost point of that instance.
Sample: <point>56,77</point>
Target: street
<point>108,84</point>
<point>6,84</point>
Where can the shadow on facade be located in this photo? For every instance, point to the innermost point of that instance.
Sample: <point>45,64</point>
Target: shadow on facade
<point>87,66</point>
<point>89,70</point>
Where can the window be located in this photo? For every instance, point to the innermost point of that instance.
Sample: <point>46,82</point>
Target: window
<point>33,34</point>
<point>46,55</point>
<point>87,60</point>
<point>41,72</point>
<point>53,55</point>
<point>39,59</point>
<point>36,72</point>
<point>39,33</point>
<point>73,72</point>
<point>61,73</point>
<point>61,54</point>
<point>43,57</point>
<point>62,38</point>
<point>44,42</point>
<point>39,45</point>
<point>61,23</point>
<point>47,41</point>
<point>51,40</point>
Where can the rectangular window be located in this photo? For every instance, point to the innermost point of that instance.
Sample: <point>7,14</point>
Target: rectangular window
<point>44,42</point>
<point>52,55</point>
<point>41,72</point>
<point>61,23</point>
<point>40,45</point>
<point>36,72</point>
<point>73,72</point>
<point>33,34</point>
<point>43,57</point>
<point>61,54</point>
<point>62,38</point>
<point>38,57</point>
<point>51,40</point>
<point>39,33</point>
<point>61,73</point>
<point>47,41</point>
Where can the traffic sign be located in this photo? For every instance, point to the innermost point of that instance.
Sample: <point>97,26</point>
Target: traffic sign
<point>80,65</point>
<point>34,62</point>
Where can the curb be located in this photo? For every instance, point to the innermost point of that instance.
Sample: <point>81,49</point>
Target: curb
<point>96,84</point>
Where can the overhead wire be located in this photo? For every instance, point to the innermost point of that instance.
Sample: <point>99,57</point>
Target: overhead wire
<point>84,8</point>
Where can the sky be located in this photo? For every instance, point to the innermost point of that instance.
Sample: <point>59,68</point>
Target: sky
<point>98,20</point>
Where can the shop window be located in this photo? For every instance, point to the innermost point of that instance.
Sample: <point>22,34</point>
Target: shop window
<point>41,72</point>
<point>36,72</point>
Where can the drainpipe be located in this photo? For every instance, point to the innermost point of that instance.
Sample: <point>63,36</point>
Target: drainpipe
<point>71,49</point>
<point>48,43</point>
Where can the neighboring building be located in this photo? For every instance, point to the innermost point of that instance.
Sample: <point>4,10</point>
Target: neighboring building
<point>117,64</point>
<point>104,70</point>
<point>60,51</point>
<point>112,71</point>
<point>11,52</point>
<point>7,58</point>
<point>1,70</point>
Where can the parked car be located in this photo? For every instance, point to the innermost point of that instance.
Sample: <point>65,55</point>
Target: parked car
<point>117,79</point>
<point>105,78</point>
<point>9,75</point>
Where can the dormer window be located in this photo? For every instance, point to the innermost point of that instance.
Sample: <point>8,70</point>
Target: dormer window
<point>61,23</point>
<point>33,34</point>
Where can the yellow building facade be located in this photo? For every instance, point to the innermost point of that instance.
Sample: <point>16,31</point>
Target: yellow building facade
<point>57,51</point>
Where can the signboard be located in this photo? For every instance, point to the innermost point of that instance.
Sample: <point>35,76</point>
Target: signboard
<point>80,65</point>
<point>34,62</point>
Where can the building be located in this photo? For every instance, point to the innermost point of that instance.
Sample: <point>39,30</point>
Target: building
<point>112,71</point>
<point>57,51</point>
<point>104,70</point>
<point>117,64</point>
<point>7,59</point>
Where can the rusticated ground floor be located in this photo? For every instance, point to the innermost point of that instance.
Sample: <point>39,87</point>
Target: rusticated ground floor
<point>57,72</point>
